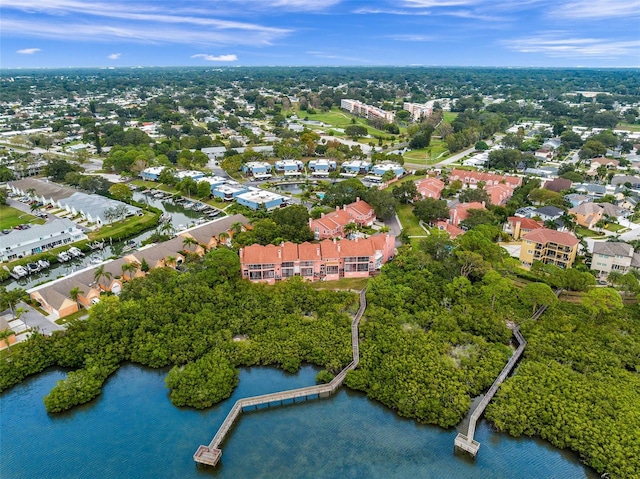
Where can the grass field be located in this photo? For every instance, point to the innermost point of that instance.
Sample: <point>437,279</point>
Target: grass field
<point>140,223</point>
<point>341,119</point>
<point>408,221</point>
<point>344,283</point>
<point>449,116</point>
<point>10,217</point>
<point>627,126</point>
<point>419,157</point>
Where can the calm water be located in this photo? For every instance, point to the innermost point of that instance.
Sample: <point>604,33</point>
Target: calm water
<point>133,431</point>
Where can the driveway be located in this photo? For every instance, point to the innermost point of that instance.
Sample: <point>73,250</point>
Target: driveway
<point>37,321</point>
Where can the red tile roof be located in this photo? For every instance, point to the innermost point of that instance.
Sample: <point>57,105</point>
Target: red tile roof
<point>545,235</point>
<point>525,223</point>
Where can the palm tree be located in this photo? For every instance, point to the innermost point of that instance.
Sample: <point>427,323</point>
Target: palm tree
<point>223,237</point>
<point>5,334</point>
<point>236,227</point>
<point>170,260</point>
<point>129,268</point>
<point>74,294</point>
<point>100,273</point>
<point>188,241</point>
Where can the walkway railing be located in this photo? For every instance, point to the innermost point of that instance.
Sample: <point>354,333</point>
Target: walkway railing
<point>211,454</point>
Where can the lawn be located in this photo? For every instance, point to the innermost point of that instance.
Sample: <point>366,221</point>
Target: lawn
<point>408,221</point>
<point>628,126</point>
<point>341,119</point>
<point>344,283</point>
<point>10,217</point>
<point>419,157</point>
<point>125,228</point>
<point>585,232</point>
<point>449,116</point>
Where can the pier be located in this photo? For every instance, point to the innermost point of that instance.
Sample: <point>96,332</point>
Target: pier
<point>465,442</point>
<point>210,455</point>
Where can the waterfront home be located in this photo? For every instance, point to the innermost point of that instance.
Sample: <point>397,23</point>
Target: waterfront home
<point>354,167</point>
<point>256,199</point>
<point>152,173</point>
<point>289,167</point>
<point>550,247</point>
<point>322,167</point>
<point>260,170</point>
<point>211,235</point>
<point>38,239</point>
<point>228,190</point>
<point>324,261</point>
<point>193,174</point>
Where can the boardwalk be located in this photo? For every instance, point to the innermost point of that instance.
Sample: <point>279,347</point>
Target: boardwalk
<point>210,455</point>
<point>466,442</point>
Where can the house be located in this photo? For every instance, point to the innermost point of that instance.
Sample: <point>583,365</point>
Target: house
<point>430,187</point>
<point>576,199</point>
<point>355,167</point>
<point>615,256</point>
<point>517,226</point>
<point>211,235</point>
<point>380,169</point>
<point>548,246</point>
<point>193,174</point>
<point>632,181</point>
<point>499,194</point>
<point>606,162</point>
<point>459,212</point>
<point>39,238</point>
<point>331,225</point>
<point>258,169</point>
<point>452,230</point>
<point>152,173</point>
<point>322,167</point>
<point>472,178</point>
<point>590,189</point>
<point>587,214</point>
<point>548,213</point>
<point>325,261</point>
<point>558,185</point>
<point>256,199</point>
<point>229,190</point>
<point>4,343</point>
<point>289,167</point>
<point>543,154</point>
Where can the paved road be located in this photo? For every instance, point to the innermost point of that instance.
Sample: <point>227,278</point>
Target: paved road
<point>36,320</point>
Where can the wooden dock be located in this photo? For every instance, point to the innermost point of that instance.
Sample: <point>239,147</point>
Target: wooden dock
<point>465,442</point>
<point>210,455</point>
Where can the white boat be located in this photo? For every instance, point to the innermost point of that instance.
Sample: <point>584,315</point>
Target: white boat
<point>33,268</point>
<point>44,264</point>
<point>20,272</point>
<point>97,245</point>
<point>166,217</point>
<point>75,252</point>
<point>63,257</point>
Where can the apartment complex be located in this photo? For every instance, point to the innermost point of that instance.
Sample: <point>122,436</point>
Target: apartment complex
<point>550,247</point>
<point>325,261</point>
<point>358,108</point>
<point>418,110</point>
<point>331,225</point>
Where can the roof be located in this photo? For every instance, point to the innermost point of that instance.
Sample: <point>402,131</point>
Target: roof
<point>361,207</point>
<point>27,237</point>
<point>545,235</point>
<point>525,223</point>
<point>549,211</point>
<point>558,185</point>
<point>613,248</point>
<point>43,188</point>
<point>587,208</point>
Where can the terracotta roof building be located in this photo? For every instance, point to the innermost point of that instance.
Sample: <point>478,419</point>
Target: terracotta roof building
<point>324,261</point>
<point>330,225</point>
<point>550,247</point>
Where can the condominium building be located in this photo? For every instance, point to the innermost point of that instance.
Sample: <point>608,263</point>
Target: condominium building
<point>358,108</point>
<point>550,247</point>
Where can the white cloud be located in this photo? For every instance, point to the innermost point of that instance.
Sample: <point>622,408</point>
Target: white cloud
<point>213,58</point>
<point>438,3</point>
<point>413,38</point>
<point>114,56</point>
<point>28,51</point>
<point>589,9</point>
<point>554,45</point>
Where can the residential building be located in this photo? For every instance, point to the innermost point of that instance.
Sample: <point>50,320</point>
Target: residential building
<point>39,238</point>
<point>615,256</point>
<point>430,187</point>
<point>609,163</point>
<point>322,167</point>
<point>452,230</point>
<point>558,185</point>
<point>550,247</point>
<point>256,199</point>
<point>211,235</point>
<point>380,169</point>
<point>193,174</point>
<point>324,261</point>
<point>331,225</point>
<point>289,167</point>
<point>517,226</point>
<point>258,169</point>
<point>355,167</point>
<point>458,212</point>
<point>587,214</point>
<point>548,213</point>
<point>576,199</point>
<point>152,173</point>
<point>229,190</point>
<point>358,108</point>
<point>472,178</point>
<point>418,110</point>
<point>499,194</point>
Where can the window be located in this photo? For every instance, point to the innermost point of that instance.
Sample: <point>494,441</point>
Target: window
<point>287,264</point>
<point>332,270</point>
<point>306,271</point>
<point>306,263</point>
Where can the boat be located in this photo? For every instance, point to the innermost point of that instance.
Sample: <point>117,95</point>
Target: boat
<point>43,263</point>
<point>96,260</point>
<point>33,268</point>
<point>63,257</point>
<point>129,245</point>
<point>75,252</point>
<point>97,245</point>
<point>19,272</point>
<point>165,218</point>
<point>159,195</point>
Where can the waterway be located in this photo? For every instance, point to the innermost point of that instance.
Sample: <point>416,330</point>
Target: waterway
<point>181,218</point>
<point>132,430</point>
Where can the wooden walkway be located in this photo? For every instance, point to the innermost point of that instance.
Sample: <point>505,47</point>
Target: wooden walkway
<point>465,442</point>
<point>210,455</point>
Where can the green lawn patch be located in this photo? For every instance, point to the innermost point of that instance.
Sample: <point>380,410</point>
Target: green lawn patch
<point>586,232</point>
<point>337,118</point>
<point>628,126</point>
<point>10,217</point>
<point>449,116</point>
<point>344,283</point>
<point>424,157</point>
<point>126,228</point>
<point>408,221</point>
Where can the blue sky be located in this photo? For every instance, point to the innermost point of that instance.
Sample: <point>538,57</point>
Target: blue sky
<point>84,33</point>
